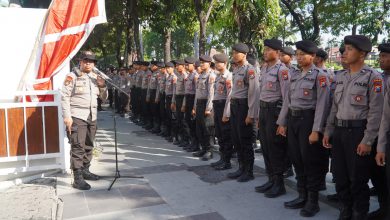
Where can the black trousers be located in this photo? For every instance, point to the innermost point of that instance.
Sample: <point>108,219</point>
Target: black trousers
<point>352,171</point>
<point>154,108</point>
<point>145,110</point>
<point>132,100</point>
<point>81,139</point>
<point>310,160</point>
<point>274,146</point>
<point>110,97</point>
<point>117,101</point>
<point>203,124</point>
<point>242,134</point>
<point>378,179</point>
<point>190,124</point>
<point>169,120</point>
<point>179,125</point>
<point>161,120</point>
<point>222,130</point>
<point>124,102</point>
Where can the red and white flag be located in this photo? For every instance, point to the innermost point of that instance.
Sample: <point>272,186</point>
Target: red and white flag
<point>66,27</point>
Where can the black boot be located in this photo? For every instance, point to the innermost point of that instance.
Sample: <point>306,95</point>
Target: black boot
<point>78,181</point>
<point>380,213</point>
<point>224,166</point>
<point>238,172</point>
<point>176,141</point>
<point>299,202</point>
<point>289,172</point>
<point>207,156</point>
<point>359,215</point>
<point>199,153</point>
<point>311,207</point>
<point>345,212</point>
<point>87,175</point>
<point>247,175</point>
<point>266,186</point>
<point>219,162</point>
<point>277,189</point>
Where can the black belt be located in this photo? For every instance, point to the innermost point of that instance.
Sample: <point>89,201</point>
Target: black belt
<point>239,101</point>
<point>300,112</point>
<point>221,101</point>
<point>201,100</point>
<point>169,96</point>
<point>350,123</point>
<point>179,96</point>
<point>270,104</point>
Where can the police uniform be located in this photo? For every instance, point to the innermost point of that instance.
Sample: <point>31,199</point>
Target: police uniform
<point>138,97</point>
<point>274,83</point>
<point>151,97</point>
<point>79,102</point>
<point>244,102</point>
<point>169,86</point>
<point>222,88</point>
<point>303,112</point>
<point>179,101</point>
<point>124,98</point>
<point>159,100</point>
<point>190,90</point>
<point>354,120</point>
<point>145,103</point>
<point>204,102</point>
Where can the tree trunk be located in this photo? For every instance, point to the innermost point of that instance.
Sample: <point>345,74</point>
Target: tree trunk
<point>167,45</point>
<point>202,38</point>
<point>137,38</point>
<point>118,44</point>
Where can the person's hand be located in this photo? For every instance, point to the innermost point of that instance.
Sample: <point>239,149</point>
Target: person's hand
<point>100,82</point>
<point>207,113</point>
<point>380,159</point>
<point>225,119</point>
<point>173,107</point>
<point>326,142</point>
<point>248,120</point>
<point>183,109</point>
<point>147,100</point>
<point>68,124</point>
<point>281,131</point>
<point>156,101</point>
<point>314,137</point>
<point>363,149</point>
<point>193,112</point>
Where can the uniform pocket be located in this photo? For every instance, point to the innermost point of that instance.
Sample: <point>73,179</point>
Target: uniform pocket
<point>271,83</point>
<point>306,90</point>
<point>358,97</point>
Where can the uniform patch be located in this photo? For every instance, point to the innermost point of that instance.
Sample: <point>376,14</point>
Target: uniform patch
<point>240,83</point>
<point>228,84</point>
<point>377,85</point>
<point>322,81</point>
<point>68,80</point>
<point>270,85</point>
<point>251,73</point>
<point>220,89</point>
<point>358,98</point>
<point>285,74</point>
<point>306,92</point>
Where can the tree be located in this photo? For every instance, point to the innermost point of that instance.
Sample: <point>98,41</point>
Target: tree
<point>203,10</point>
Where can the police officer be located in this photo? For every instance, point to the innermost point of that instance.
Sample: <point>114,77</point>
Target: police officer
<point>123,98</point>
<point>169,87</point>
<point>383,141</point>
<point>354,123</point>
<point>303,115</point>
<point>274,83</point>
<point>243,112</point>
<point>145,104</point>
<point>287,56</point>
<point>138,81</point>
<point>178,102</point>
<point>203,108</point>
<point>79,103</point>
<point>160,97</point>
<point>190,89</point>
<point>151,95</point>
<point>222,88</point>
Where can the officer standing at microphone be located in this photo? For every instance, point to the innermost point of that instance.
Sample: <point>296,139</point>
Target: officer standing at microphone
<point>79,107</point>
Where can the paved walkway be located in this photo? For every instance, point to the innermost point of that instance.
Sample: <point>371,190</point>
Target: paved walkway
<point>175,185</point>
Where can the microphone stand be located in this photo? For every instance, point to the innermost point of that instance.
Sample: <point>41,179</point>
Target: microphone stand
<point>115,88</point>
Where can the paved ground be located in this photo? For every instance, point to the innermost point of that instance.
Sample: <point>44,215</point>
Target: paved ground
<point>175,185</point>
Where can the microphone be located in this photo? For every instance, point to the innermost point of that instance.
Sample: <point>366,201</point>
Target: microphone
<point>101,74</point>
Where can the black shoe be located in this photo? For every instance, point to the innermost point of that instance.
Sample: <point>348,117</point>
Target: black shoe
<point>332,198</point>
<point>87,175</point>
<point>245,177</point>
<point>193,149</point>
<point>299,202</point>
<point>258,150</point>
<point>199,153</point>
<point>207,156</point>
<point>359,215</point>
<point>289,172</point>
<point>79,182</point>
<point>311,207</point>
<point>176,142</point>
<point>218,163</point>
<point>345,213</point>
<point>234,155</point>
<point>224,166</point>
<point>380,213</point>
<point>373,191</point>
<point>170,139</point>
<point>266,186</point>
<point>277,188</point>
<point>236,173</point>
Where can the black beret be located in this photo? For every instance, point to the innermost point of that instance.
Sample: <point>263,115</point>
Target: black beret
<point>288,50</point>
<point>153,62</point>
<point>169,64</point>
<point>342,49</point>
<point>322,53</point>
<point>180,62</point>
<point>307,46</point>
<point>385,48</point>
<point>273,43</point>
<point>360,42</point>
<point>197,63</point>
<point>145,63</point>
<point>190,60</point>
<point>221,58</point>
<point>241,47</point>
<point>205,58</point>
<point>161,64</point>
